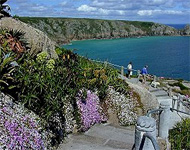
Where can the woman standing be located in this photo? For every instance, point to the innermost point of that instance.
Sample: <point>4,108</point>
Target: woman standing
<point>129,69</point>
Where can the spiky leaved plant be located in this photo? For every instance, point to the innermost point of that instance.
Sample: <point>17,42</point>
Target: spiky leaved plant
<point>13,40</point>
<point>12,46</point>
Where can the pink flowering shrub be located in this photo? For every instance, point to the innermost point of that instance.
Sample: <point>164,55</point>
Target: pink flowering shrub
<point>18,131</point>
<point>90,109</point>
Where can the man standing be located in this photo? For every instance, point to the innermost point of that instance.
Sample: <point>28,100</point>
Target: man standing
<point>144,73</point>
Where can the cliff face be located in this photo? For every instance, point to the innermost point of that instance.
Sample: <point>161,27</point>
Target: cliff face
<point>63,30</point>
<point>37,40</point>
<point>186,30</point>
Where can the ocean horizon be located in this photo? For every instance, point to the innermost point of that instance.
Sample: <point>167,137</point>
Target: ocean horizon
<point>166,56</point>
<point>177,26</point>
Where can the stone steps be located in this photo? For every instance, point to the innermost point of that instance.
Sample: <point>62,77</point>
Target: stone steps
<point>101,137</point>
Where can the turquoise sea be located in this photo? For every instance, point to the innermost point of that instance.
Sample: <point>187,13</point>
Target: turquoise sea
<point>166,56</point>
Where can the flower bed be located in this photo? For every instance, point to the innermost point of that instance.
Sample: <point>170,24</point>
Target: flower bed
<point>19,130</point>
<point>90,109</point>
<point>123,106</point>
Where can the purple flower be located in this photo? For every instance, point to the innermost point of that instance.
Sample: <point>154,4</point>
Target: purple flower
<point>90,110</point>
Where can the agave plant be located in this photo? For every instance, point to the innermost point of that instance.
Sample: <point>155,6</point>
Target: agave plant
<point>4,8</point>
<point>12,46</point>
<point>13,40</point>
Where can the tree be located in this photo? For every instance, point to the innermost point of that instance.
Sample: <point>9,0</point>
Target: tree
<point>4,8</point>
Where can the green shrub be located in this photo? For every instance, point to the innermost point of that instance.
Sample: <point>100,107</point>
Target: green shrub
<point>179,136</point>
<point>43,85</point>
<point>179,84</point>
<point>6,69</point>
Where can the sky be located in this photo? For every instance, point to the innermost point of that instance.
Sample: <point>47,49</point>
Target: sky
<point>160,11</point>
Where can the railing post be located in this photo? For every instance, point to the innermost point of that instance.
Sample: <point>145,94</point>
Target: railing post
<point>174,102</point>
<point>170,92</point>
<point>154,78</point>
<point>179,102</point>
<point>145,125</point>
<point>138,75</point>
<point>164,119</point>
<point>122,70</point>
<point>105,64</point>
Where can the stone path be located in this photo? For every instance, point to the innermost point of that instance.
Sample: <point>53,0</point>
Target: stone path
<point>101,137</point>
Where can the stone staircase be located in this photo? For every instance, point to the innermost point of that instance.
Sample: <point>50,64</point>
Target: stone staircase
<point>101,137</point>
<point>113,137</point>
<point>160,94</point>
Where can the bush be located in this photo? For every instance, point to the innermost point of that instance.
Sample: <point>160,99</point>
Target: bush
<point>179,136</point>
<point>43,85</point>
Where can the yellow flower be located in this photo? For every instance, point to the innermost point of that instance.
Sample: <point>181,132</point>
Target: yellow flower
<point>96,73</point>
<point>41,56</point>
<point>103,77</point>
<point>63,57</point>
<point>102,71</point>
<point>68,56</point>
<point>92,81</point>
<point>84,74</point>
<point>50,64</point>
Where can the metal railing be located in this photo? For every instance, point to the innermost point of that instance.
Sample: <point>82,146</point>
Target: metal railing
<point>163,123</point>
<point>152,139</point>
<point>180,100</point>
<point>122,68</point>
<point>153,111</point>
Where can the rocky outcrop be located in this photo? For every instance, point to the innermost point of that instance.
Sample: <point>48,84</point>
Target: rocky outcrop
<point>159,29</point>
<point>186,30</point>
<point>63,30</point>
<point>37,40</point>
<point>148,100</point>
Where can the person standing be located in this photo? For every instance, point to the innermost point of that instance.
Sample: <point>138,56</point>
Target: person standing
<point>129,70</point>
<point>144,73</point>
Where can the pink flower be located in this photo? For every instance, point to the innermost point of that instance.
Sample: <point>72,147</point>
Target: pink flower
<point>90,110</point>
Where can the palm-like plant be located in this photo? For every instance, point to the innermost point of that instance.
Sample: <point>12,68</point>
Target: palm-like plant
<point>13,40</point>
<point>4,8</point>
<point>12,46</point>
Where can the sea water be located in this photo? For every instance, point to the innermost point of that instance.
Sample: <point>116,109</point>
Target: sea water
<point>166,56</point>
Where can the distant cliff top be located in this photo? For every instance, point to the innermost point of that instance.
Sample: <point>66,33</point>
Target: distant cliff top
<point>63,30</point>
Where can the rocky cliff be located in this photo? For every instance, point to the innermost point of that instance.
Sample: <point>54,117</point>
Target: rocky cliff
<point>38,41</point>
<point>186,30</point>
<point>63,30</point>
